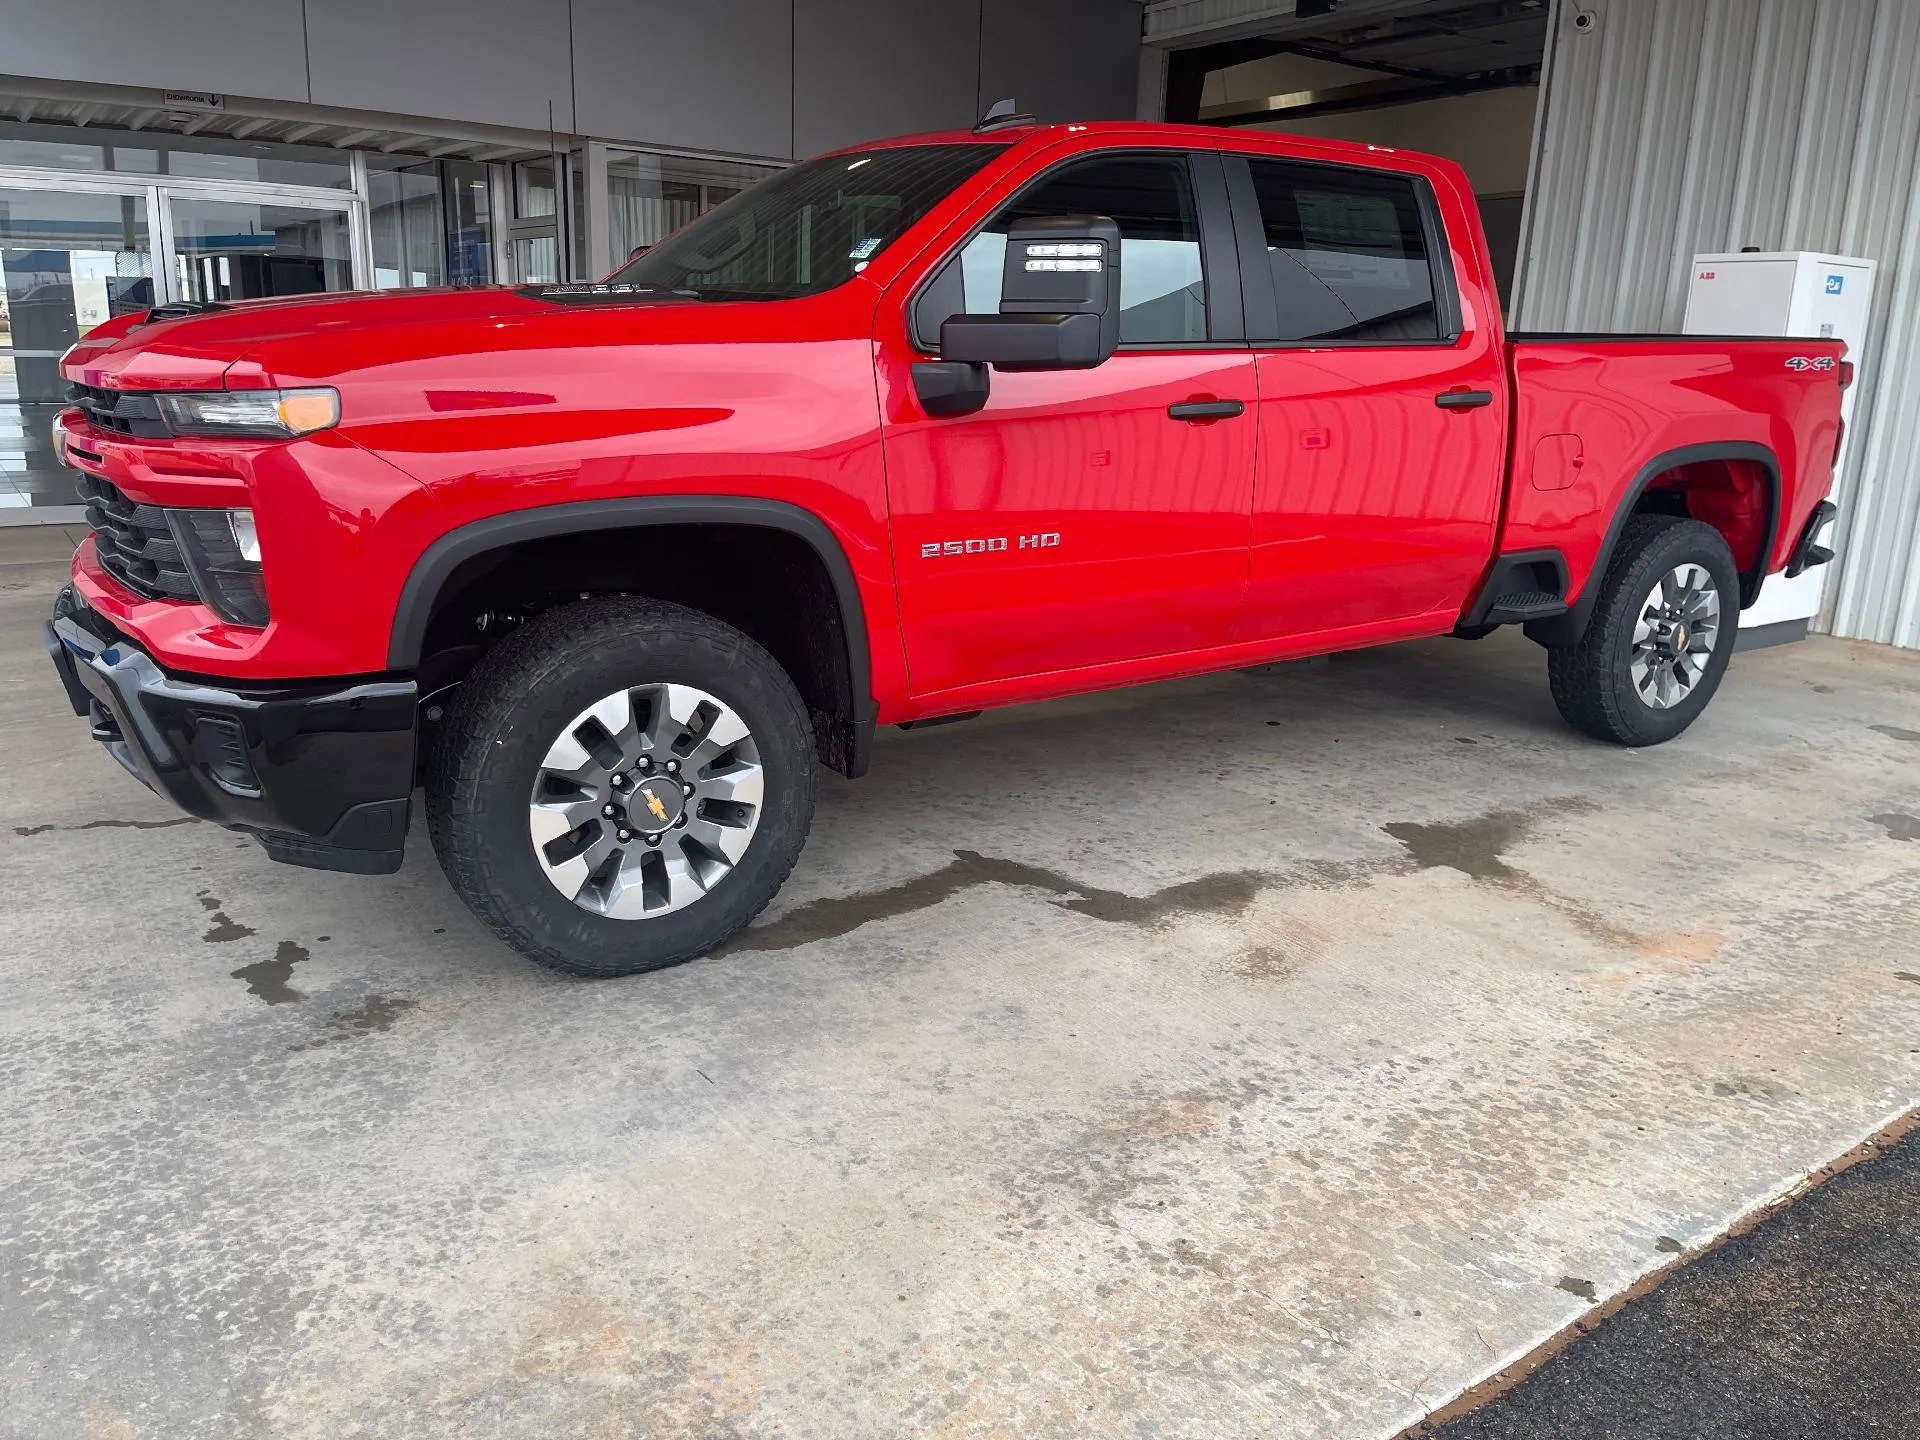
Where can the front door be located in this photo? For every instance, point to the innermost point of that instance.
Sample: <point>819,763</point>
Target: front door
<point>1078,519</point>
<point>1382,415</point>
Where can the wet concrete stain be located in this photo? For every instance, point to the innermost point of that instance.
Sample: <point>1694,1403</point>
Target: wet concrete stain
<point>221,927</point>
<point>1896,733</point>
<point>108,825</point>
<point>830,918</point>
<point>1574,1285</point>
<point>1906,975</point>
<point>1474,848</point>
<point>1898,826</point>
<point>271,979</point>
<point>373,1016</point>
<point>1667,1245</point>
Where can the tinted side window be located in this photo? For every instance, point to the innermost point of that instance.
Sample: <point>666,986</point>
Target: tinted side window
<point>1163,291</point>
<point>1348,253</point>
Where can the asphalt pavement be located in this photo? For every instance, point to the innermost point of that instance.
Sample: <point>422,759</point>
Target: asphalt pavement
<point>1805,1326</point>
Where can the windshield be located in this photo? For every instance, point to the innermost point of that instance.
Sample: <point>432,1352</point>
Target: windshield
<point>806,229</point>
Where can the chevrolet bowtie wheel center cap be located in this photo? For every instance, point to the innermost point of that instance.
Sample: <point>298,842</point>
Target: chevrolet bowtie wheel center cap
<point>646,800</point>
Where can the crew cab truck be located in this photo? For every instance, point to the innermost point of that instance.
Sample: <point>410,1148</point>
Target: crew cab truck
<point>946,422</point>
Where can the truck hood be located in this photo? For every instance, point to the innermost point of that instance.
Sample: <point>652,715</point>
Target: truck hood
<point>252,343</point>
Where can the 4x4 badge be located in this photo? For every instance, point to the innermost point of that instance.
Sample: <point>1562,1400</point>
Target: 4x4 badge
<point>1810,362</point>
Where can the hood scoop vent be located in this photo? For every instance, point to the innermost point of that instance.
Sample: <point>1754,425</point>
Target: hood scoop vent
<point>179,310</point>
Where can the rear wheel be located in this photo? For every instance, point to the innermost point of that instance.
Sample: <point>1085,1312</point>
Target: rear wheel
<point>1660,636</point>
<point>621,785</point>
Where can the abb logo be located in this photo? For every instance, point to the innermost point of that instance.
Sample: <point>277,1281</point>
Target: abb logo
<point>1706,274</point>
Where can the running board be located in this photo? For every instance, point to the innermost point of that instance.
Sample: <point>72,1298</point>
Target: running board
<point>1526,585</point>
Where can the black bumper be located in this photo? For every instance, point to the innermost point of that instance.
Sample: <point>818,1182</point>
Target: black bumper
<point>320,772</point>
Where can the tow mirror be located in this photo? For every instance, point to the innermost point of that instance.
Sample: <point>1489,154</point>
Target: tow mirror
<point>1059,299</point>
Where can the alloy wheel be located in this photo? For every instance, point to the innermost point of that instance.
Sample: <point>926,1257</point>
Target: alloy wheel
<point>1675,635</point>
<point>646,801</point>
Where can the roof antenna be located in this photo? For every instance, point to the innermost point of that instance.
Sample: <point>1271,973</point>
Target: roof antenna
<point>1002,115</point>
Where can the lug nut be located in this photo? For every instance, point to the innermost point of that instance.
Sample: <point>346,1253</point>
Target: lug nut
<point>681,823</point>
<point>619,782</point>
<point>625,835</point>
<point>653,840</point>
<point>686,790</point>
<point>609,811</point>
<point>645,763</point>
<point>673,767</point>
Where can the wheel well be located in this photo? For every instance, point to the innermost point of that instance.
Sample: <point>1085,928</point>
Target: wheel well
<point>1735,497</point>
<point>770,584</point>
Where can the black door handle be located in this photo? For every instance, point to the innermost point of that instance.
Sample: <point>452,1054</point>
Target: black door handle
<point>1463,399</point>
<point>1206,409</point>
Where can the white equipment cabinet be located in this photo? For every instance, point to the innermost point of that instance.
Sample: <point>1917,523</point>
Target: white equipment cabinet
<point>1786,293</point>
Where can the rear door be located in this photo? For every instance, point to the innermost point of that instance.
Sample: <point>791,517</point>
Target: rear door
<point>1079,519</point>
<point>1382,417</point>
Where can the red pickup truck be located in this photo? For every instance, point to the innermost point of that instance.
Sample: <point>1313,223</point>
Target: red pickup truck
<point>909,430</point>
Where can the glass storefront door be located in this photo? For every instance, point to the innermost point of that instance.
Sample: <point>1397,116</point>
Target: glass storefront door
<point>255,249</point>
<point>74,252</point>
<point>69,260</point>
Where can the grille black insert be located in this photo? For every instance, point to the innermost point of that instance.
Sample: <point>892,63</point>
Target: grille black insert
<point>120,412</point>
<point>135,543</point>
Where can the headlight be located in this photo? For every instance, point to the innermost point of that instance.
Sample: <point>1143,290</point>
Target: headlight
<point>222,552</point>
<point>280,414</point>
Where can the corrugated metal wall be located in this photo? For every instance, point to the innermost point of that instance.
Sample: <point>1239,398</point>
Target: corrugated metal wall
<point>1675,127</point>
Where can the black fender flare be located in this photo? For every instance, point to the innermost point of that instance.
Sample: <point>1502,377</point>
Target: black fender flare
<point>441,559</point>
<point>1568,628</point>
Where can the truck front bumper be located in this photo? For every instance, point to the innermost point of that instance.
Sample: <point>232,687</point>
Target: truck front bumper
<point>321,773</point>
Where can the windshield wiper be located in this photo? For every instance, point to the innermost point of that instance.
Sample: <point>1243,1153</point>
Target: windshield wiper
<point>579,294</point>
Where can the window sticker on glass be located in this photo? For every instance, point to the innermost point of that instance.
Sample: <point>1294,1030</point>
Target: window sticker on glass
<point>864,250</point>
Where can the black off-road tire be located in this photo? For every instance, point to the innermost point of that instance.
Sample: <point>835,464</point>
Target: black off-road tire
<point>484,763</point>
<point>1592,679</point>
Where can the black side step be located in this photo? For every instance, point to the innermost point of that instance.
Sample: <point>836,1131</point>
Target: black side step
<point>1522,586</point>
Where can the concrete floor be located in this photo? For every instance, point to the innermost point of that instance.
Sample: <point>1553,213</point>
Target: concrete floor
<point>1267,1055</point>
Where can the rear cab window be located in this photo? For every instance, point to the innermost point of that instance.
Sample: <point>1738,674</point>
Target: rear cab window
<point>1348,252</point>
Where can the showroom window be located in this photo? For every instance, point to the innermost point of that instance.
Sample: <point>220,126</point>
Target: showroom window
<point>651,196</point>
<point>1348,252</point>
<point>1163,293</point>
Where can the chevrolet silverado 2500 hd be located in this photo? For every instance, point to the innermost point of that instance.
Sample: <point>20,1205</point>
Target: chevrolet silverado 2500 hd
<point>909,430</point>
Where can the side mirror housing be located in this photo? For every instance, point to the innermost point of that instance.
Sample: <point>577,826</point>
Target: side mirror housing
<point>1059,299</point>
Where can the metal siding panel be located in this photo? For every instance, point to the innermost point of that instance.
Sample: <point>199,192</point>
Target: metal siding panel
<point>247,47</point>
<point>496,62</point>
<point>1681,126</point>
<point>1065,60</point>
<point>1723,83</point>
<point>1767,142</point>
<point>1659,167</point>
<point>714,76</point>
<point>865,69</point>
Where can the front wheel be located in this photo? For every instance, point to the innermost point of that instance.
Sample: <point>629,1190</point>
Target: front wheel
<point>1660,636</point>
<point>621,785</point>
